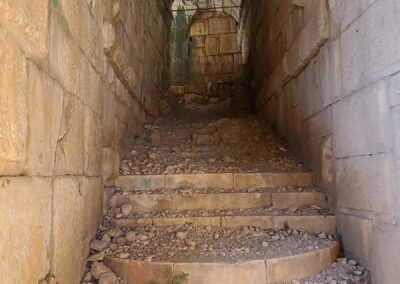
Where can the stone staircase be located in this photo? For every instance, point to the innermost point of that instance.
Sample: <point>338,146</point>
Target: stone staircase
<point>219,199</point>
<point>270,202</point>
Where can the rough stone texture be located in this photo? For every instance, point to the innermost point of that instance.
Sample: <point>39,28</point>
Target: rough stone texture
<point>25,242</point>
<point>44,101</point>
<point>336,106</point>
<point>27,22</point>
<point>92,205</point>
<point>385,253</point>
<point>368,132</point>
<point>92,143</point>
<point>272,270</point>
<point>70,152</point>
<point>213,42</point>
<point>357,234</point>
<point>250,272</point>
<point>68,226</point>
<point>13,113</point>
<point>61,101</point>
<point>110,166</point>
<point>300,265</point>
<point>366,183</point>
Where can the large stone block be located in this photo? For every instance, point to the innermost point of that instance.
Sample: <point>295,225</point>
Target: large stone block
<point>70,147</point>
<point>237,273</point>
<point>13,113</point>
<point>64,56</point>
<point>92,192</point>
<point>110,166</point>
<point>27,23</point>
<point>222,64</point>
<point>361,123</point>
<point>221,25</point>
<point>386,254</point>
<point>45,106</point>
<point>83,27</point>
<point>70,250</point>
<point>90,86</point>
<point>228,43</point>
<point>344,12</point>
<point>199,28</point>
<point>370,51</point>
<point>366,183</point>
<point>320,124</point>
<point>108,119</point>
<point>211,45</point>
<point>356,234</point>
<point>306,46</point>
<point>92,143</point>
<point>25,221</point>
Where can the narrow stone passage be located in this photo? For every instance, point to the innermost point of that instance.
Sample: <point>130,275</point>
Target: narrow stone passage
<point>199,141</point>
<point>206,191</point>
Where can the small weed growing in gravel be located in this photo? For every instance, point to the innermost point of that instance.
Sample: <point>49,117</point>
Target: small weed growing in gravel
<point>173,278</point>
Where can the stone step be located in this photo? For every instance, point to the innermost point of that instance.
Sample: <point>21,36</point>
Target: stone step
<point>311,223</point>
<point>261,271</point>
<point>218,201</point>
<point>234,181</point>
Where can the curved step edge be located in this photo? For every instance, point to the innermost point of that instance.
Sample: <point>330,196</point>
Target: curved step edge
<point>268,271</point>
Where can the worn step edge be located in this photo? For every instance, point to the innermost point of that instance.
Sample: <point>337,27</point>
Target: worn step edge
<point>215,180</point>
<point>218,201</point>
<point>270,271</point>
<point>314,224</point>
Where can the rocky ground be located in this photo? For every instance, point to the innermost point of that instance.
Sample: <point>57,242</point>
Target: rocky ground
<point>189,243</point>
<point>183,191</point>
<point>196,243</point>
<point>343,271</point>
<point>118,213</point>
<point>212,143</point>
<point>202,136</point>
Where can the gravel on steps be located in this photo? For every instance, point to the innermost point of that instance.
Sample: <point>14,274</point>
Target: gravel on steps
<point>183,191</point>
<point>116,213</point>
<point>223,145</point>
<point>197,243</point>
<point>343,271</point>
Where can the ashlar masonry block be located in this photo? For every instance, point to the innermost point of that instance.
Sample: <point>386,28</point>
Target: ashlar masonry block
<point>27,22</point>
<point>25,221</point>
<point>13,112</point>
<point>69,250</point>
<point>70,151</point>
<point>45,105</point>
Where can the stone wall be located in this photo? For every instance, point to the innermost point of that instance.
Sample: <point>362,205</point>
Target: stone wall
<point>214,49</point>
<point>327,78</point>
<point>204,47</point>
<point>77,78</point>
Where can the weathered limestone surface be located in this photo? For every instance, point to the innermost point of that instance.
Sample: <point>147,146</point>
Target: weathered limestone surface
<point>25,220</point>
<point>13,113</point>
<point>213,50</point>
<point>213,61</point>
<point>69,249</point>
<point>69,154</point>
<point>27,22</point>
<point>44,103</point>
<point>327,79</point>
<point>61,101</point>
